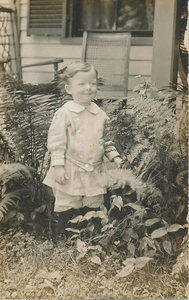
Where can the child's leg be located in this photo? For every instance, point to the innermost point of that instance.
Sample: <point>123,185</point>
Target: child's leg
<point>63,219</point>
<point>66,206</point>
<point>93,202</point>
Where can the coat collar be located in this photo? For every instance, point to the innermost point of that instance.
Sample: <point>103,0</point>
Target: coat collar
<point>75,107</point>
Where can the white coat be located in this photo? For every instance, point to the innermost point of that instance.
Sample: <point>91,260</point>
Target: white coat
<point>78,140</point>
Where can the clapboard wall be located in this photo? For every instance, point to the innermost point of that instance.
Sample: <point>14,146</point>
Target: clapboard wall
<point>40,48</point>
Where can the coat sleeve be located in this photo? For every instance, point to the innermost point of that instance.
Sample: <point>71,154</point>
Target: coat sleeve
<point>57,138</point>
<point>109,146</point>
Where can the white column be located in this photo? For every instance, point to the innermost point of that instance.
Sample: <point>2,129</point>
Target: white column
<point>165,43</point>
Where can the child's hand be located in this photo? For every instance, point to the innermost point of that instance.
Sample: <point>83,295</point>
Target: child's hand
<point>118,161</point>
<point>60,175</point>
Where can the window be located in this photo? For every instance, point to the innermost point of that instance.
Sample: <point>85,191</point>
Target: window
<point>120,15</point>
<point>72,17</point>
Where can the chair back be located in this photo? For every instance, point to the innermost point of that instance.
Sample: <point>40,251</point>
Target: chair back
<point>109,54</point>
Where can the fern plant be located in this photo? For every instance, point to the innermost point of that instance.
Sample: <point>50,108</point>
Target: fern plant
<point>27,111</point>
<point>145,134</point>
<point>17,189</point>
<point>28,114</point>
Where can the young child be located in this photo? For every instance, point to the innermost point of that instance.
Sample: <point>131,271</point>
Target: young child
<point>77,145</point>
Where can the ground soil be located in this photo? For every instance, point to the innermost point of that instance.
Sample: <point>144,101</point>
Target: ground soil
<point>33,268</point>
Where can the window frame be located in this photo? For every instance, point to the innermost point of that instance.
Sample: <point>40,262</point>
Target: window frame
<point>67,32</point>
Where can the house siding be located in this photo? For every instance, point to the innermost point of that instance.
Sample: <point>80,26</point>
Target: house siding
<point>5,3</point>
<point>35,49</point>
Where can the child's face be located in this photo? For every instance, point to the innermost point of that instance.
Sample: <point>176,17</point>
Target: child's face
<point>83,87</point>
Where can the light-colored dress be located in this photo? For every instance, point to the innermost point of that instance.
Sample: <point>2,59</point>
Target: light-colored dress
<point>78,139</point>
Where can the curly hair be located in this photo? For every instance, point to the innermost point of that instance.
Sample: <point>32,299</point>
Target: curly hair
<point>74,68</point>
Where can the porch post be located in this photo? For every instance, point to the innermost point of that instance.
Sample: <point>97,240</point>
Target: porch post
<point>165,43</point>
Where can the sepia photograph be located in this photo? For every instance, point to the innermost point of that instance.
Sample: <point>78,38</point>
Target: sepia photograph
<point>94,149</point>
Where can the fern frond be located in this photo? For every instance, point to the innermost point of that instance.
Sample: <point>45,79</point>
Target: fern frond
<point>137,151</point>
<point>115,179</point>
<point>143,162</point>
<point>181,178</point>
<point>14,172</point>
<point>4,203</point>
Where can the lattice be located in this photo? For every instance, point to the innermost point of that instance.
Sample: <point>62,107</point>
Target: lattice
<point>6,38</point>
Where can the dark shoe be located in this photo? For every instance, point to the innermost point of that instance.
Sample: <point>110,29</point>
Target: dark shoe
<point>63,219</point>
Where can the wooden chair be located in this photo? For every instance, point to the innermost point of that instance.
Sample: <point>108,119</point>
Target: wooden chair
<point>109,54</point>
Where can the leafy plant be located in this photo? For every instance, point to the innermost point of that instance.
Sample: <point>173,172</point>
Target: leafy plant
<point>17,188</point>
<point>127,228</point>
<point>4,205</point>
<point>132,264</point>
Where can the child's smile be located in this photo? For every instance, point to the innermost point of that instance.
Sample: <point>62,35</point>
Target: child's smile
<point>83,87</point>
